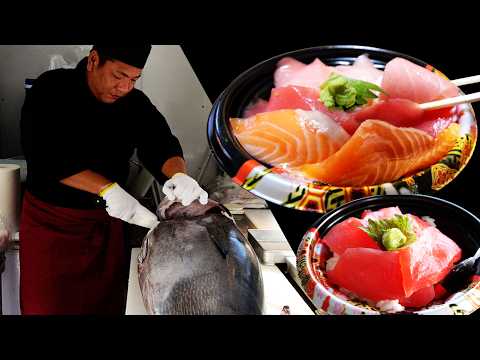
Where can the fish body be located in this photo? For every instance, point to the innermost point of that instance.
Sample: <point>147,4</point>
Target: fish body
<point>196,262</point>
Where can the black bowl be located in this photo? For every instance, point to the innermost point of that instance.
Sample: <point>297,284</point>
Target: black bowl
<point>280,188</point>
<point>452,220</point>
<point>257,82</point>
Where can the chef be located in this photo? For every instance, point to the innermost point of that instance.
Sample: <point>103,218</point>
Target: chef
<point>79,128</point>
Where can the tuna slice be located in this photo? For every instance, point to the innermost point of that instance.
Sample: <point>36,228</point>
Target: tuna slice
<point>398,112</point>
<point>289,137</point>
<point>348,234</point>
<point>196,262</point>
<point>406,80</point>
<point>405,113</point>
<point>379,152</point>
<point>408,274</point>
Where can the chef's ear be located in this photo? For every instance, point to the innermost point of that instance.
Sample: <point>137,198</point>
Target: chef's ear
<point>93,60</point>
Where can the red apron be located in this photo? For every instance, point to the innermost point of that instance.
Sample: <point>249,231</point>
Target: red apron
<point>71,261</point>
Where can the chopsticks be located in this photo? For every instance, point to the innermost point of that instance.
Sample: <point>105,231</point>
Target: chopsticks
<point>438,104</point>
<point>466,80</point>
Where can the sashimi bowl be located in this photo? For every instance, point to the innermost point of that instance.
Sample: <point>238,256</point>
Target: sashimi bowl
<point>331,296</point>
<point>277,183</point>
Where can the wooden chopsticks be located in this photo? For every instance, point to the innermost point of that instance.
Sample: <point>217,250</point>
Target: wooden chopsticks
<point>462,99</point>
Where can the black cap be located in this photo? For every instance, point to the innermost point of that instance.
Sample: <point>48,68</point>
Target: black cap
<point>135,55</point>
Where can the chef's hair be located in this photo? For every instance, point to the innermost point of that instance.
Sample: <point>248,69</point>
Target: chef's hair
<point>102,58</point>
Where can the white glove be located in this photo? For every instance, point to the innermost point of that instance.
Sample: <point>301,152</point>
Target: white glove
<point>184,189</point>
<point>124,206</point>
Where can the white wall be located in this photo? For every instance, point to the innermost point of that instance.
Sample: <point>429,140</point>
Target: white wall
<point>170,83</point>
<point>168,80</point>
<point>18,62</point>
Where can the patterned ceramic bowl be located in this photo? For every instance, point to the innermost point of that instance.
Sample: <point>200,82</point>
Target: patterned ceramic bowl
<point>276,184</point>
<point>452,220</point>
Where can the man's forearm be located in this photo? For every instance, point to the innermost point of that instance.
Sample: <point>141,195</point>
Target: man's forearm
<point>174,165</point>
<point>87,180</point>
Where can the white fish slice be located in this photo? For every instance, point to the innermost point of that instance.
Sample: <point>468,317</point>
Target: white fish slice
<point>438,104</point>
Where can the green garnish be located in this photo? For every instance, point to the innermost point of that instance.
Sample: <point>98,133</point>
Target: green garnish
<point>393,233</point>
<point>393,239</point>
<point>340,92</point>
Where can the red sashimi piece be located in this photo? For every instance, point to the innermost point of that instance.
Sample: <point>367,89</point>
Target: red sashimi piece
<point>348,234</point>
<point>398,112</point>
<point>428,260</point>
<point>369,273</point>
<point>304,98</point>
<point>293,97</point>
<point>256,108</point>
<point>435,121</point>
<point>406,113</point>
<point>284,98</point>
<point>440,291</point>
<point>420,298</point>
<point>408,274</point>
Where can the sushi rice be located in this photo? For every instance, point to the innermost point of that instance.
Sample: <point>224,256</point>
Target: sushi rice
<point>389,306</point>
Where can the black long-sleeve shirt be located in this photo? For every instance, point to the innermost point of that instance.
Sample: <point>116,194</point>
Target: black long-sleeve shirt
<point>66,130</point>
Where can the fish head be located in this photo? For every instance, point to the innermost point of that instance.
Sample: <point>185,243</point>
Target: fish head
<point>168,209</point>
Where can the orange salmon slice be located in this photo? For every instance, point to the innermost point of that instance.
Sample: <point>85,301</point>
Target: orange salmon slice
<point>289,137</point>
<point>379,152</point>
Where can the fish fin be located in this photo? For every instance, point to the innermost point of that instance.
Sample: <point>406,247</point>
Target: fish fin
<point>163,207</point>
<point>222,249</point>
<point>144,249</point>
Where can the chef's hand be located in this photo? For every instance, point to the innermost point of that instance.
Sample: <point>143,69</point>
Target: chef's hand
<point>184,189</point>
<point>122,205</point>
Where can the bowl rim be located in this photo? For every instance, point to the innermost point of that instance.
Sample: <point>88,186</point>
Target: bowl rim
<point>319,288</point>
<point>277,186</point>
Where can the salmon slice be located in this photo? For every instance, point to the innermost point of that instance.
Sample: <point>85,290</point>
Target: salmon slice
<point>289,137</point>
<point>379,152</point>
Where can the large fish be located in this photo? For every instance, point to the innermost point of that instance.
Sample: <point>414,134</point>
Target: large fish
<point>197,262</point>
